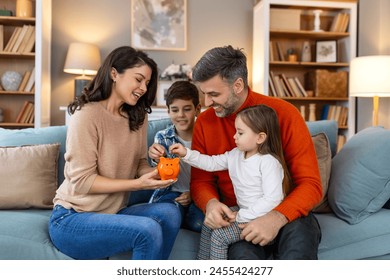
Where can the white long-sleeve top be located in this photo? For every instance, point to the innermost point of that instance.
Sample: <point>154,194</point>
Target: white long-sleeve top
<point>257,180</point>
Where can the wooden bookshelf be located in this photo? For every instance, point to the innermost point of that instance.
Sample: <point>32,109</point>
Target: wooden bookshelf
<point>271,47</point>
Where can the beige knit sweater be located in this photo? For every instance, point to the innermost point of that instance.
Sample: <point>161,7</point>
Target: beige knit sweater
<point>99,143</point>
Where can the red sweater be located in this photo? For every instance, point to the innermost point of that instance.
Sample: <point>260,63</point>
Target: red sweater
<point>214,135</point>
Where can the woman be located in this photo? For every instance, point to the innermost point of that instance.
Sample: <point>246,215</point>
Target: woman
<point>105,161</point>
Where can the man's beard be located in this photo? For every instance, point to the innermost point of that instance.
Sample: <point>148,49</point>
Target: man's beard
<point>229,107</point>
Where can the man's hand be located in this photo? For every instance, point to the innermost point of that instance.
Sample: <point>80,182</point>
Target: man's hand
<point>263,229</point>
<point>218,214</point>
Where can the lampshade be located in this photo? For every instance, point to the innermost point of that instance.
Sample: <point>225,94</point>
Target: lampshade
<point>370,76</point>
<point>82,59</point>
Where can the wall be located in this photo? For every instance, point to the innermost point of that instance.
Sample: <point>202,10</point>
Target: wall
<point>107,24</point>
<point>374,39</point>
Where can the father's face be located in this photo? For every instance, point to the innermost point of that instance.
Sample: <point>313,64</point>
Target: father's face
<point>220,96</point>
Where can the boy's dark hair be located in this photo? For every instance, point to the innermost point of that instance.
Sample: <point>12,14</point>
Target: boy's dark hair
<point>184,90</point>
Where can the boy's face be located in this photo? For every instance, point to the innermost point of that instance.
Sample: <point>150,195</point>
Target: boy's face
<point>182,114</point>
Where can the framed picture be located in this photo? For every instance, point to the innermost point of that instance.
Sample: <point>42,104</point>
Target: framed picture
<point>159,24</point>
<point>162,90</point>
<point>326,51</point>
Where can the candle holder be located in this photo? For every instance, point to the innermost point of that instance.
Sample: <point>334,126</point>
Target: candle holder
<point>317,20</point>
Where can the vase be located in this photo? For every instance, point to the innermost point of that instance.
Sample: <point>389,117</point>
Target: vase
<point>24,8</point>
<point>11,80</point>
<point>312,112</point>
<point>306,52</point>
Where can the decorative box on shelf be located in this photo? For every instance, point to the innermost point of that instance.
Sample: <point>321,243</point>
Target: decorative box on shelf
<point>285,19</point>
<point>326,83</point>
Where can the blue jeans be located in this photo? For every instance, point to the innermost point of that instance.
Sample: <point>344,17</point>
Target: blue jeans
<point>191,216</point>
<point>148,230</point>
<point>297,240</point>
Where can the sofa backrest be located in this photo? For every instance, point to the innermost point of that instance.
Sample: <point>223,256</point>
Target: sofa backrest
<point>35,136</point>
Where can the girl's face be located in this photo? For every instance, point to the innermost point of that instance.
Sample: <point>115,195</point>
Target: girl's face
<point>131,84</point>
<point>246,139</point>
<point>182,113</point>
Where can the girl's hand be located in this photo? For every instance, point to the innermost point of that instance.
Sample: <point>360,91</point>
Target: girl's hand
<point>178,149</point>
<point>156,151</point>
<point>184,199</point>
<point>151,181</point>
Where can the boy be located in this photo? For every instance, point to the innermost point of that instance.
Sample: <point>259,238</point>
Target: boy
<point>183,106</point>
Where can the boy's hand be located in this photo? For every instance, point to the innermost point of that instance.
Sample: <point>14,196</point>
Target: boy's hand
<point>184,199</point>
<point>156,151</point>
<point>178,149</point>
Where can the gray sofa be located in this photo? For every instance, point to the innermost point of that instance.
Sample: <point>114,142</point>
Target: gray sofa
<point>24,235</point>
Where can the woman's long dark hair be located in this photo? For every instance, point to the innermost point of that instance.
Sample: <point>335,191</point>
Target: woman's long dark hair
<point>100,87</point>
<point>261,118</point>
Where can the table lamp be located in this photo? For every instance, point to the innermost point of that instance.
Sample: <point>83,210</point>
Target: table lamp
<point>369,76</point>
<point>82,59</point>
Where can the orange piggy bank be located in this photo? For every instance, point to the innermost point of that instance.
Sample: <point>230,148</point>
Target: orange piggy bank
<point>168,168</point>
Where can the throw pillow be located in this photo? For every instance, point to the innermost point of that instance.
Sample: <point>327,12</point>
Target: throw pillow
<point>28,176</point>
<point>324,158</point>
<point>360,180</point>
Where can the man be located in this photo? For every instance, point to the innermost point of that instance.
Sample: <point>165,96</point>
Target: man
<point>290,231</point>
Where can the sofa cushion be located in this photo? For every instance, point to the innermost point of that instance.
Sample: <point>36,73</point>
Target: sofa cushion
<point>34,136</point>
<point>329,127</point>
<point>324,158</point>
<point>359,183</point>
<point>28,176</point>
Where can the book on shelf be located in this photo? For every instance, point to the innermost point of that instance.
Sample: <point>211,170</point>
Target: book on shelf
<point>19,39</point>
<point>341,139</point>
<point>287,85</point>
<point>278,86</point>
<point>31,81</point>
<point>300,87</point>
<point>12,39</point>
<point>272,90</point>
<point>280,52</point>
<point>26,37</point>
<point>271,52</point>
<point>294,87</point>
<point>1,37</point>
<point>24,81</point>
<point>30,113</point>
<point>22,111</point>
<point>335,112</point>
<point>340,23</point>
<point>28,48</point>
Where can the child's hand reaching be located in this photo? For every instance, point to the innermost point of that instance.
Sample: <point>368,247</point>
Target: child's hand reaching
<point>178,149</point>
<point>156,151</point>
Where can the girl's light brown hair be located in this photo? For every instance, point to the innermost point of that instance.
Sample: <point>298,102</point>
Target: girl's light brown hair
<point>261,118</point>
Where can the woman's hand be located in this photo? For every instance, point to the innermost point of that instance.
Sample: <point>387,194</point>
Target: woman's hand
<point>178,149</point>
<point>151,181</point>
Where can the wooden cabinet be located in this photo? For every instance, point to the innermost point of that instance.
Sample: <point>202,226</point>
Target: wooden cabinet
<point>35,60</point>
<point>283,27</point>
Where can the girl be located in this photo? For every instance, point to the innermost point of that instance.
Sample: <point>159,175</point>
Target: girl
<point>258,172</point>
<point>105,161</point>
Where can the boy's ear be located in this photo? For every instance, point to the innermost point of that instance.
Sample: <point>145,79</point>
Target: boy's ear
<point>197,109</point>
